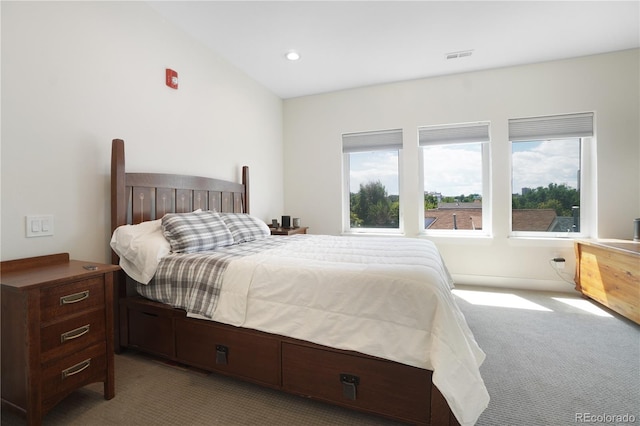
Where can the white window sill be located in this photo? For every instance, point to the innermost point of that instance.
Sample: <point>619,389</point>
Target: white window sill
<point>373,234</point>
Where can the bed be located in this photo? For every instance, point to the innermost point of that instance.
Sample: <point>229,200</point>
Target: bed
<point>344,320</point>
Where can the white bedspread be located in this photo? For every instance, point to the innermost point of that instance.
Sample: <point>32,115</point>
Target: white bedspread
<point>386,297</point>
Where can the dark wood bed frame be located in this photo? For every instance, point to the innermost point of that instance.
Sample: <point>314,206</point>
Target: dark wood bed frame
<point>339,377</point>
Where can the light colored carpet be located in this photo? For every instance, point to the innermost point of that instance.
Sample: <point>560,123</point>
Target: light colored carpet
<point>551,363</point>
<point>543,367</point>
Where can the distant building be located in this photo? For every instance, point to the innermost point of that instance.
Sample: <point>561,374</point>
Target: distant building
<point>454,216</point>
<point>469,216</point>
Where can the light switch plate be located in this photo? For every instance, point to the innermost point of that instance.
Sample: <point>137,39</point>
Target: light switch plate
<point>39,225</point>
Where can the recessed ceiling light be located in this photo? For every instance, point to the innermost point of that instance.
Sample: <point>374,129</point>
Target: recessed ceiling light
<point>292,55</point>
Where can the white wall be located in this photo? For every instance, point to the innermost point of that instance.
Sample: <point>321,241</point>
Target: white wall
<point>76,75</point>
<point>606,84</point>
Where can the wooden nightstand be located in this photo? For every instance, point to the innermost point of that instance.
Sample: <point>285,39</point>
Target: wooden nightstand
<point>289,231</point>
<point>57,331</point>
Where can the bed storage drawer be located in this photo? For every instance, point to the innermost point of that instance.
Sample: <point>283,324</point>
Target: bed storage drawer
<point>150,326</point>
<point>241,353</point>
<point>365,383</point>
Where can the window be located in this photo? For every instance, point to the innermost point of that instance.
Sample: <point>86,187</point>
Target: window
<point>455,176</point>
<point>372,188</point>
<point>549,175</point>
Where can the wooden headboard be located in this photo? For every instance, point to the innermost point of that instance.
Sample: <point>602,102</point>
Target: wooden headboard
<point>138,197</point>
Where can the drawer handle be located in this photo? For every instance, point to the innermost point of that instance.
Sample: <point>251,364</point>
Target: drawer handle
<point>349,385</point>
<point>222,352</point>
<point>79,367</point>
<point>74,298</point>
<point>74,334</point>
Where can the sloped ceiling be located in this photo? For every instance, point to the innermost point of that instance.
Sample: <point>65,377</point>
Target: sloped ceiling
<point>347,44</point>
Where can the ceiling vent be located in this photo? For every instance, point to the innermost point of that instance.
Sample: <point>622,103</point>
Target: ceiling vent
<point>461,54</point>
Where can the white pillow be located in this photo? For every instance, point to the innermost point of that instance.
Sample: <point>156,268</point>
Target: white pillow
<point>140,248</point>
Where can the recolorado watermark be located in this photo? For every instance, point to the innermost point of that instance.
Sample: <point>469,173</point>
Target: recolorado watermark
<point>604,418</point>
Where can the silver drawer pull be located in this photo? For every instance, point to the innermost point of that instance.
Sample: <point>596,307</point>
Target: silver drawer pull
<point>81,366</point>
<point>74,334</point>
<point>74,298</point>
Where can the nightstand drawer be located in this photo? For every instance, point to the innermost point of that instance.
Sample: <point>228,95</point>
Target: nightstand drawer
<point>70,298</point>
<point>62,376</point>
<point>72,335</point>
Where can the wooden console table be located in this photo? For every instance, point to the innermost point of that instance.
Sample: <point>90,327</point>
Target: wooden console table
<point>608,271</point>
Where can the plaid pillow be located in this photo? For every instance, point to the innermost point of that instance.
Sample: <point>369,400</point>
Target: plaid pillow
<point>196,231</point>
<point>245,227</point>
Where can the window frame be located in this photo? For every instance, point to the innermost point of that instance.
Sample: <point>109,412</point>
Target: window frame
<point>485,146</point>
<point>346,175</point>
<point>583,129</point>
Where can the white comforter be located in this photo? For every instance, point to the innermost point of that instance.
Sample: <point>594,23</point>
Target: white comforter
<point>386,297</point>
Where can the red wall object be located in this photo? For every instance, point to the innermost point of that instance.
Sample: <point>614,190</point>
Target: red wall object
<point>172,79</point>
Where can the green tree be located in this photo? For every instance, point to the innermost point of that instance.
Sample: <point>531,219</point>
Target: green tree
<point>371,207</point>
<point>561,198</point>
<point>430,202</point>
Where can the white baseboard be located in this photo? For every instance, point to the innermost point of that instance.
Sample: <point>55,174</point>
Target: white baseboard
<point>514,283</point>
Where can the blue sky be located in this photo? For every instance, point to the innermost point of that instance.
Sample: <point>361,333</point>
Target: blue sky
<point>374,166</point>
<point>540,163</point>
